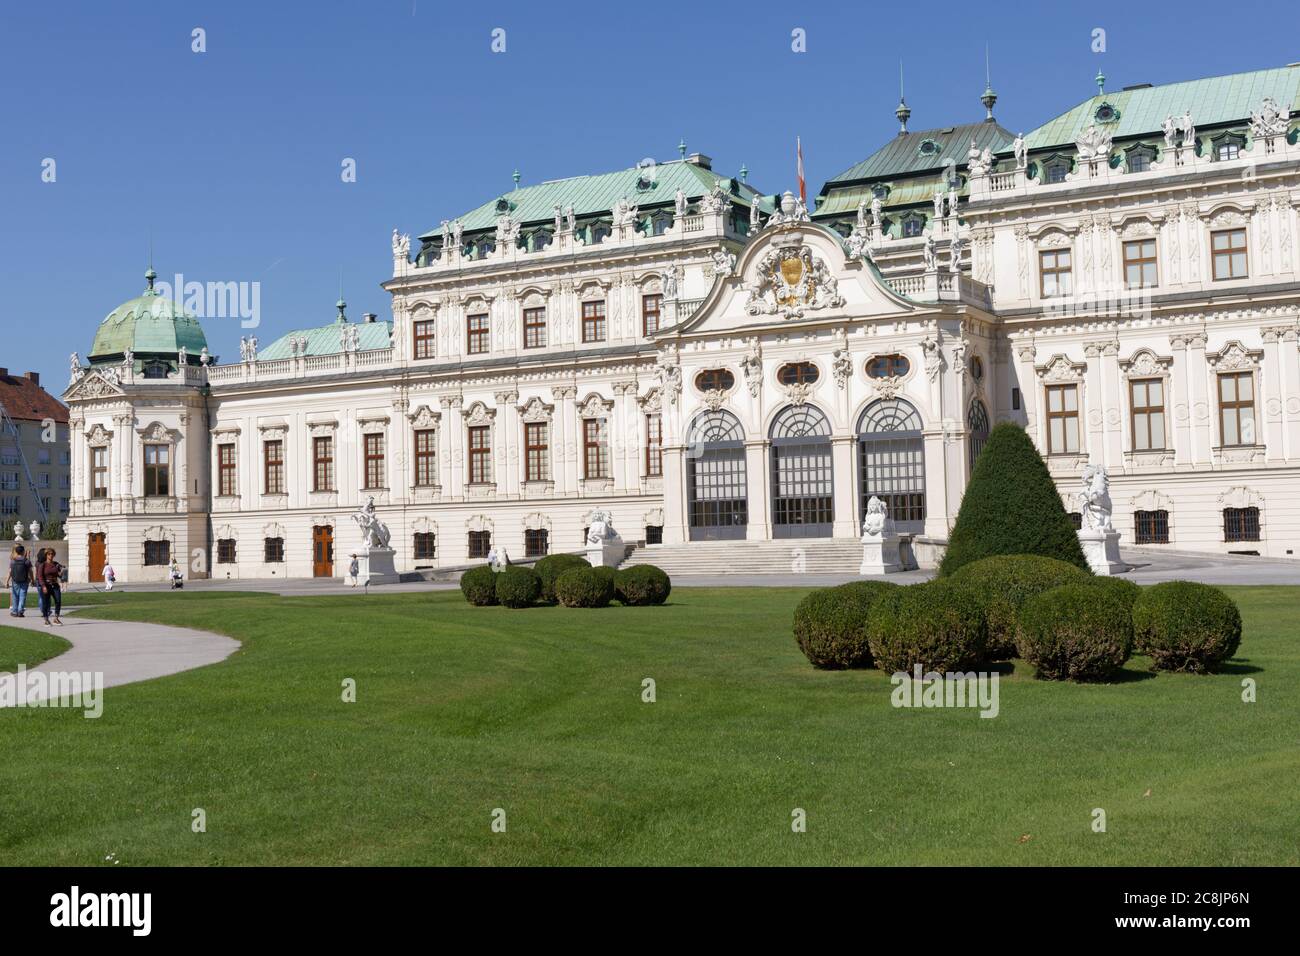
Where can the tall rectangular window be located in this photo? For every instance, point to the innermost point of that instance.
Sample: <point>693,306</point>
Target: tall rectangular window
<point>322,453</point>
<point>1147,398</point>
<point>595,451</point>
<point>423,333</point>
<point>1055,275</point>
<point>227,478</point>
<point>99,472</point>
<point>1237,408</point>
<point>1229,250</point>
<point>157,553</point>
<point>480,543</point>
<point>654,446</point>
<point>480,454</point>
<point>537,459</point>
<point>273,550</point>
<point>1140,264</point>
<point>1151,527</point>
<point>593,321</point>
<point>273,466</point>
<point>534,328</point>
<point>1240,524</point>
<point>425,546</point>
<point>157,471</point>
<point>476,334</point>
<point>652,307</point>
<point>426,458</point>
<point>225,551</point>
<point>1062,419</point>
<point>374,461</point>
<point>536,542</point>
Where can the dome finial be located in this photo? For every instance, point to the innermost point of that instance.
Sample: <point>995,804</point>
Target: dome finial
<point>681,147</point>
<point>903,112</point>
<point>340,304</point>
<point>150,275</point>
<point>1101,82</point>
<point>515,177</point>
<point>989,97</point>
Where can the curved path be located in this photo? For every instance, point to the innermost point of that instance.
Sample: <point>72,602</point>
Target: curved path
<point>126,651</point>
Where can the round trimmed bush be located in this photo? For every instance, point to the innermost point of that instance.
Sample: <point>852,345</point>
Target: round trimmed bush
<point>607,573</point>
<point>642,584</point>
<point>551,567</point>
<point>938,625</point>
<point>1126,591</point>
<point>518,586</point>
<point>830,624</point>
<point>584,587</point>
<point>1075,632</point>
<point>1003,583</point>
<point>479,585</point>
<point>1185,626</point>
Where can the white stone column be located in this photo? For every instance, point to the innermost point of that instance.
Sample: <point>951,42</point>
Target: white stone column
<point>1272,393</point>
<point>1027,382</point>
<point>1179,404</point>
<point>456,463</point>
<point>507,428</point>
<point>565,427</point>
<point>842,448</point>
<point>1202,405</point>
<point>936,482</point>
<point>1290,359</point>
<point>758,489</point>
<point>675,494</point>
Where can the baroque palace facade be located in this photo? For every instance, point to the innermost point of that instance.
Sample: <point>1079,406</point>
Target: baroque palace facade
<point>711,364</point>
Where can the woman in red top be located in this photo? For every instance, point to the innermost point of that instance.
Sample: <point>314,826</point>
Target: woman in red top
<point>49,574</point>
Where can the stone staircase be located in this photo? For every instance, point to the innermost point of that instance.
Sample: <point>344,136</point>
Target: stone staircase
<point>785,556</point>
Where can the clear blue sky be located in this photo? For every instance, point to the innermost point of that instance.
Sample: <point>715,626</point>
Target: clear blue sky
<point>231,158</point>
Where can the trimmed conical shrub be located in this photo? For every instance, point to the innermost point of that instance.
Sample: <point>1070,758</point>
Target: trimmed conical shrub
<point>1011,506</point>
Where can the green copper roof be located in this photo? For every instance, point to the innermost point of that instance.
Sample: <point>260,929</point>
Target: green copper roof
<point>328,339</point>
<point>1212,101</point>
<point>903,155</point>
<point>598,193</point>
<point>148,325</point>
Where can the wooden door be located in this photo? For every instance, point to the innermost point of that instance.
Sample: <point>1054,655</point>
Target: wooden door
<point>97,554</point>
<point>322,553</point>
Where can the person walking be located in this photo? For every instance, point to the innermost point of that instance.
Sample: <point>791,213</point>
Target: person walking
<point>110,576</point>
<point>18,581</point>
<point>49,575</point>
<point>354,571</point>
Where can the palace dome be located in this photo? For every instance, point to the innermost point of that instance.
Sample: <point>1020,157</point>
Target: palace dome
<point>150,324</point>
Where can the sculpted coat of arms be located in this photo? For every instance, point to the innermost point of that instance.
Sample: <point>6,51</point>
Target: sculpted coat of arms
<point>791,280</point>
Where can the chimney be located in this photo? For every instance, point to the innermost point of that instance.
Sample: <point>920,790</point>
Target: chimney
<point>368,317</point>
<point>699,159</point>
<point>33,377</point>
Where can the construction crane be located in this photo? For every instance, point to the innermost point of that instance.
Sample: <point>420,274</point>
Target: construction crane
<point>10,427</point>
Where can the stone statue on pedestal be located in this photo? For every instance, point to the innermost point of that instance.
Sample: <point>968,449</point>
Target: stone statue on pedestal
<point>1097,536</point>
<point>879,540</point>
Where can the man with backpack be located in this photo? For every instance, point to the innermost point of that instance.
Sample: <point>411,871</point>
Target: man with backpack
<point>18,580</point>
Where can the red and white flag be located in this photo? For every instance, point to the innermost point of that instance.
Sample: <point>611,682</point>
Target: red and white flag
<point>803,189</point>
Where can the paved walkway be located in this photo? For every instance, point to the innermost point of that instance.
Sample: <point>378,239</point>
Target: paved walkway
<point>125,651</point>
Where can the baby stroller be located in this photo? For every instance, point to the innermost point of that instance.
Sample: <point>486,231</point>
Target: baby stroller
<point>177,579</point>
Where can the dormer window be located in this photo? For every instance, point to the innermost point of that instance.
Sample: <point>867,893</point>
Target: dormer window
<point>928,147</point>
<point>1056,168</point>
<point>1139,158</point>
<point>1228,146</point>
<point>1105,113</point>
<point>156,368</point>
<point>880,191</point>
<point>913,225</point>
<point>503,204</point>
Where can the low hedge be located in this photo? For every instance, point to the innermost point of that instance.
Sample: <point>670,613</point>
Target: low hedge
<point>1126,591</point>
<point>642,584</point>
<point>518,586</point>
<point>1003,583</point>
<point>1075,632</point>
<point>551,567</point>
<point>584,587</point>
<point>479,585</point>
<point>830,624</point>
<point>1184,626</point>
<point>938,625</point>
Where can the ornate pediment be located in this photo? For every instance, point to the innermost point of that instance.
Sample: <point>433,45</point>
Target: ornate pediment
<point>1144,362</point>
<point>99,435</point>
<point>593,406</point>
<point>651,401</point>
<point>1235,357</point>
<point>157,432</point>
<point>790,281</point>
<point>93,385</point>
<point>1061,369</point>
<point>479,414</point>
<point>424,418</point>
<point>535,410</point>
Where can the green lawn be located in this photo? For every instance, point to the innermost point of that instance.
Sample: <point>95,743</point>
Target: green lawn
<point>19,648</point>
<point>461,710</point>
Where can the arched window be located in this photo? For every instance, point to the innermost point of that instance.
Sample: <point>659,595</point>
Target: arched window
<point>891,462</point>
<point>977,422</point>
<point>797,373</point>
<point>715,380</point>
<point>803,484</point>
<point>716,485</point>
